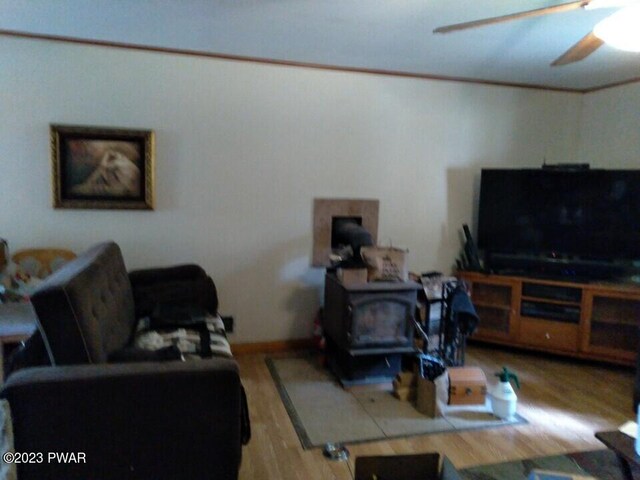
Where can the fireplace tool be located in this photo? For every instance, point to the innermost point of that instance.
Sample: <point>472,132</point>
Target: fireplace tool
<point>458,319</point>
<point>430,366</point>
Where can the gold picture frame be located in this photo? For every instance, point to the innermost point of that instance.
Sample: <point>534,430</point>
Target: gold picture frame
<point>102,168</point>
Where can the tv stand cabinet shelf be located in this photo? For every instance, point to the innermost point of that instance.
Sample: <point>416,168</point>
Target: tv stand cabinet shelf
<point>599,321</point>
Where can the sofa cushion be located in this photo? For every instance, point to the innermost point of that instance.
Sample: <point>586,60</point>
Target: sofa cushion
<point>85,309</point>
<point>179,285</point>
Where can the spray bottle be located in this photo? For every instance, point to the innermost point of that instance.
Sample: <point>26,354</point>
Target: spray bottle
<point>503,397</point>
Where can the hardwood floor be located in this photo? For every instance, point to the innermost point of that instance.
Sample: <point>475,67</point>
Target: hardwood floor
<point>564,401</point>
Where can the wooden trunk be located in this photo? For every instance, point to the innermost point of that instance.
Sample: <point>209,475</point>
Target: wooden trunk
<point>467,386</point>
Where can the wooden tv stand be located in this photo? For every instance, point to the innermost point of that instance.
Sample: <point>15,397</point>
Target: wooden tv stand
<point>598,321</point>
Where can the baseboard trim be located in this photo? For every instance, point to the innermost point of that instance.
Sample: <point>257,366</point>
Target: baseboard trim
<point>272,347</point>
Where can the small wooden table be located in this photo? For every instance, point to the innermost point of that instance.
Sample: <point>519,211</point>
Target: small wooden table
<point>624,446</point>
<point>17,323</point>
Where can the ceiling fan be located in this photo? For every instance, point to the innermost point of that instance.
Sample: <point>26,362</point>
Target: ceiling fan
<point>590,42</point>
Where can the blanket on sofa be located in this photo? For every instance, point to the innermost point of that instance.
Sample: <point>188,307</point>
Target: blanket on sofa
<point>188,338</point>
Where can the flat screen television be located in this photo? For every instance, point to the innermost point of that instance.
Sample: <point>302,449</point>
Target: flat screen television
<point>580,215</point>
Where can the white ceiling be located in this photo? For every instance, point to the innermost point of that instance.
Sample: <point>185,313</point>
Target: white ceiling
<point>391,35</point>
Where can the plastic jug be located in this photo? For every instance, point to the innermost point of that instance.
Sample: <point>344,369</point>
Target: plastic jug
<point>503,397</point>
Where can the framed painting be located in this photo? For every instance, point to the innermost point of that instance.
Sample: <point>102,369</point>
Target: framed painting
<point>96,167</point>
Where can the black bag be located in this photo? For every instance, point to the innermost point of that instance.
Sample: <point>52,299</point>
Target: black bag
<point>173,314</point>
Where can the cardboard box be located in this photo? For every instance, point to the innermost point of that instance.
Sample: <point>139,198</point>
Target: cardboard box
<point>352,276</point>
<point>405,379</point>
<point>467,386</point>
<point>405,394</point>
<point>426,398</point>
<point>404,386</point>
<point>424,466</point>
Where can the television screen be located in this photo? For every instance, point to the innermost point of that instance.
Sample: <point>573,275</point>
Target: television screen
<point>588,213</point>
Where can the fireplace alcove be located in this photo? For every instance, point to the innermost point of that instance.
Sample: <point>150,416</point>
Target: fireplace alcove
<point>368,326</point>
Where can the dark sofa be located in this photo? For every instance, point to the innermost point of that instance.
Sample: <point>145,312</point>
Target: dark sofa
<point>146,420</point>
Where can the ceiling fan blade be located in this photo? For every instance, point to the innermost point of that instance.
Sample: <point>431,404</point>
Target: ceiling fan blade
<point>585,47</point>
<point>594,4</point>
<point>564,7</point>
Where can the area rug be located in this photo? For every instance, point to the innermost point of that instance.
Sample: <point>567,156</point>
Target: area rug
<point>601,464</point>
<point>322,411</point>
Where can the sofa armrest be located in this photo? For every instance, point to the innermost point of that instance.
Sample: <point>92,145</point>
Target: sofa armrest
<point>171,420</point>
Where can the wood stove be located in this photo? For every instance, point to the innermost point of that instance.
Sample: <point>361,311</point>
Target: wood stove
<point>368,328</point>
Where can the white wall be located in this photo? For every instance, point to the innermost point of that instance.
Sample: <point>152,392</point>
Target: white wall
<point>610,128</point>
<point>242,150</point>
